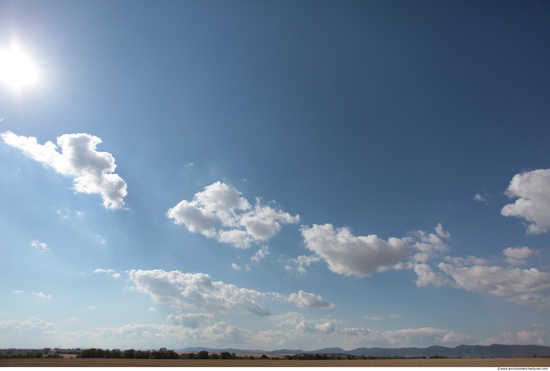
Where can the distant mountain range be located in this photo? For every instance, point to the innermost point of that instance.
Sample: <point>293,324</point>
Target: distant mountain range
<point>462,351</point>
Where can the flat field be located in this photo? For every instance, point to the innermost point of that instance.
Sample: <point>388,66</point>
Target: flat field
<point>112,362</point>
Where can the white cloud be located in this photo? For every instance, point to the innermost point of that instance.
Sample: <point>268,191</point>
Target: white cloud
<point>236,237</point>
<point>325,327</point>
<point>223,332</point>
<point>263,222</point>
<point>191,320</point>
<point>151,309</point>
<point>301,262</point>
<point>426,276</point>
<point>517,255</point>
<point>237,267</point>
<point>481,198</point>
<point>260,254</point>
<point>92,171</point>
<point>528,287</point>
<point>197,290</point>
<point>533,204</point>
<point>40,295</point>
<point>27,325</point>
<point>350,255</point>
<point>418,337</point>
<point>296,324</point>
<point>222,213</point>
<point>111,272</point>
<point>184,290</point>
<point>39,246</point>
<point>441,232</point>
<point>414,336</point>
<point>307,300</point>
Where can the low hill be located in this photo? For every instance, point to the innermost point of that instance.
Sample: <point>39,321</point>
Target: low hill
<point>461,351</point>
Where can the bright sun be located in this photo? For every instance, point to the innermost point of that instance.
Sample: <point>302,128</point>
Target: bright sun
<point>17,70</point>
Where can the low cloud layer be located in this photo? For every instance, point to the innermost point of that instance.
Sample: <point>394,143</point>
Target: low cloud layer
<point>532,190</point>
<point>92,171</point>
<point>529,287</point>
<point>221,212</point>
<point>362,256</point>
<point>184,291</point>
<point>404,337</point>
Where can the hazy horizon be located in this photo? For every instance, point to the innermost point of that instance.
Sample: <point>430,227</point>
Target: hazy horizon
<point>274,174</point>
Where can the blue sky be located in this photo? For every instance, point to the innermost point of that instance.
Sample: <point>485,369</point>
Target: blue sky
<point>275,174</point>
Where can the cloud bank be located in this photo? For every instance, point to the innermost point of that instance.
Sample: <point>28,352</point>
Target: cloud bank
<point>183,291</point>
<point>92,171</point>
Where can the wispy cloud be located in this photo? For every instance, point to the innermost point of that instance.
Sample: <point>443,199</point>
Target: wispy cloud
<point>27,325</point>
<point>260,254</point>
<point>92,171</point>
<point>39,246</point>
<point>40,295</point>
<point>301,262</point>
<point>482,197</point>
<point>111,272</point>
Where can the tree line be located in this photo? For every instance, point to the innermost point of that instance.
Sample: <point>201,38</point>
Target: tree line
<point>164,353</point>
<point>161,353</point>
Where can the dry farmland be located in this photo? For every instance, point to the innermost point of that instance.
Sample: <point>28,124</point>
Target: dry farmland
<point>113,362</point>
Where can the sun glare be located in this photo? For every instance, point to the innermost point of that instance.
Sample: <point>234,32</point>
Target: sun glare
<point>17,70</point>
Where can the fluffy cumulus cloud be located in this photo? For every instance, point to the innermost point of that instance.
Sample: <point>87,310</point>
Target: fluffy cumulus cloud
<point>197,290</point>
<point>351,255</point>
<point>221,212</point>
<point>532,190</point>
<point>92,171</point>
<point>362,256</point>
